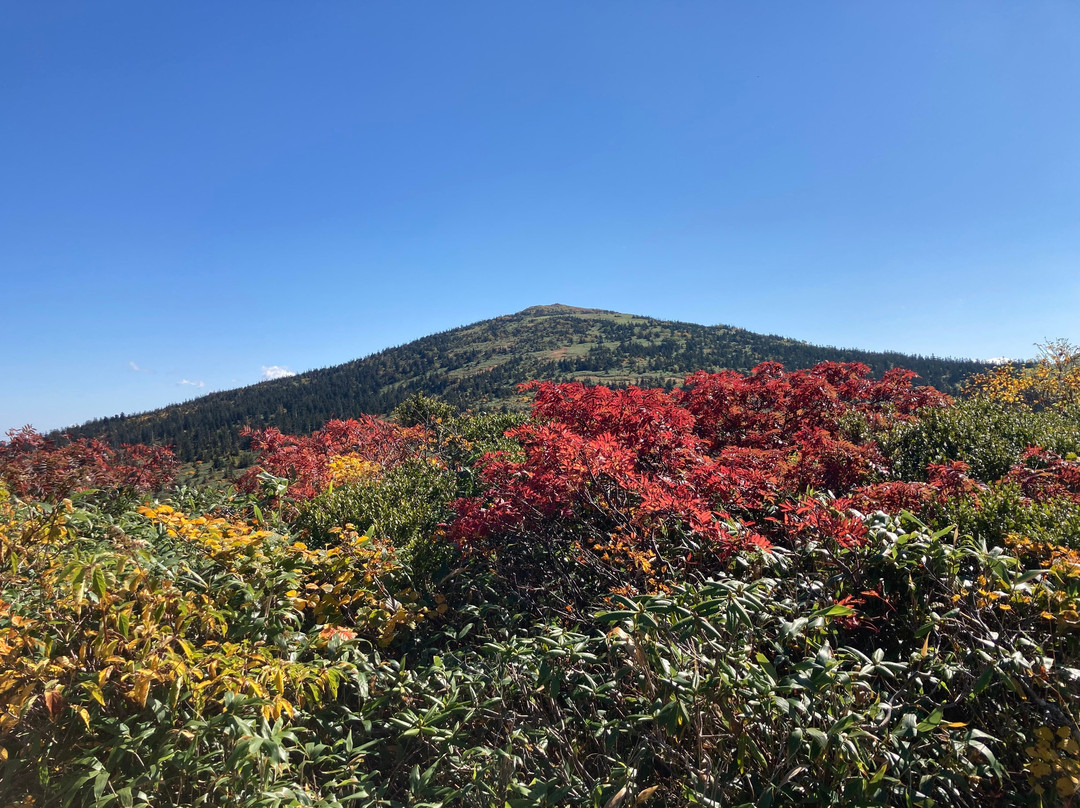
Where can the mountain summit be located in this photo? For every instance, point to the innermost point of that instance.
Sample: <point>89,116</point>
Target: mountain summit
<point>558,308</point>
<point>480,366</point>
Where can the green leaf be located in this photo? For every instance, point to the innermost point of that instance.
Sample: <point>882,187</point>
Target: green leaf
<point>98,585</point>
<point>767,666</point>
<point>836,610</point>
<point>982,681</point>
<point>820,739</point>
<point>1027,576</point>
<point>930,721</point>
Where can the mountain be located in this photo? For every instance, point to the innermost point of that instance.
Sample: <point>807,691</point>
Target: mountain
<point>479,366</point>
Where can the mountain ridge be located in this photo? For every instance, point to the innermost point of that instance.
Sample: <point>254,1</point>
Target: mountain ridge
<point>479,365</point>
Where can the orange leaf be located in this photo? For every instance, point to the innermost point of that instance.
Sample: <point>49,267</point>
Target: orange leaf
<point>54,702</point>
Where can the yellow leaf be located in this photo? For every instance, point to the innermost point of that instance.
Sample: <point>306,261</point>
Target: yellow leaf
<point>95,692</point>
<point>141,689</point>
<point>645,794</point>
<point>186,647</point>
<point>1067,786</point>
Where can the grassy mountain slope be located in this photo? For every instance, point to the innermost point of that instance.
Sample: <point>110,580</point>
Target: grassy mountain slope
<point>479,365</point>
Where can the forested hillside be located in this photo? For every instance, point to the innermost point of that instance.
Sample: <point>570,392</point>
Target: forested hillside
<point>480,366</point>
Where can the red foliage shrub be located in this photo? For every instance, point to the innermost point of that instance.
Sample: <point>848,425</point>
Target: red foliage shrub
<point>32,466</point>
<point>893,497</point>
<point>1043,475</point>
<point>707,461</point>
<point>305,460</point>
<point>615,459</point>
<point>810,518</point>
<point>951,481</point>
<point>770,408</point>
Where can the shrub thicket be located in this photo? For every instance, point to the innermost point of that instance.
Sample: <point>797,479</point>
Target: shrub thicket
<point>762,589</point>
<point>988,434</point>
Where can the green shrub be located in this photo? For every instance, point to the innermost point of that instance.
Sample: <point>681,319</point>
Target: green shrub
<point>1003,511</point>
<point>403,505</point>
<point>990,436</point>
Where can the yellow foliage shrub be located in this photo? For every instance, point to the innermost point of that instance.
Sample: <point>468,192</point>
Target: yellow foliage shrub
<point>101,628</point>
<point>348,469</point>
<point>1053,381</point>
<point>1054,759</point>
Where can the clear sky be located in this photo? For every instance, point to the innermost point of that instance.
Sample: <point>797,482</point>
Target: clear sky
<point>195,194</point>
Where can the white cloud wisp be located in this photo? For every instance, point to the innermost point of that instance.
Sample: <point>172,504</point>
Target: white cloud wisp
<point>270,372</point>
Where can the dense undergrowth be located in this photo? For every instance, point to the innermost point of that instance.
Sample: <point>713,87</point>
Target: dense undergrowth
<point>761,589</point>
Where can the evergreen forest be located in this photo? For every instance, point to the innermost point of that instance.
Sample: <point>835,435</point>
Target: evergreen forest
<point>479,366</point>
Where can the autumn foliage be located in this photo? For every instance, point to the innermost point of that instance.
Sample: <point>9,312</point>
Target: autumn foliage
<point>653,480</point>
<point>34,466</point>
<point>306,460</point>
<point>764,588</point>
<point>1051,382</point>
<point>1043,475</point>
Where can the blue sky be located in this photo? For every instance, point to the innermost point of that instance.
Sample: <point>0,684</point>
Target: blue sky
<point>196,192</point>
